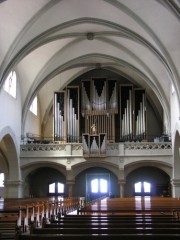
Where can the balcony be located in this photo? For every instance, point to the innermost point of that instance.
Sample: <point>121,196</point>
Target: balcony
<point>123,149</point>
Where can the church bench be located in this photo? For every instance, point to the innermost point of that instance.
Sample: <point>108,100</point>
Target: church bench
<point>30,210</point>
<point>8,227</point>
<point>105,230</point>
<point>153,205</point>
<point>109,222</point>
<point>100,236</point>
<point>163,210</point>
<point>113,225</point>
<point>120,217</point>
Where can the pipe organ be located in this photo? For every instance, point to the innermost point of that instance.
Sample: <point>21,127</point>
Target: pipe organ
<point>72,109</point>
<point>108,112</point>
<point>132,113</point>
<point>59,116</point>
<point>66,115</point>
<point>126,112</point>
<point>140,114</point>
<point>99,106</point>
<point>94,145</point>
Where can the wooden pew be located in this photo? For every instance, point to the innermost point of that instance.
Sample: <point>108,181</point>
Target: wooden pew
<point>123,220</point>
<point>117,226</point>
<point>112,225</point>
<point>16,215</point>
<point>153,205</point>
<point>100,237</point>
<point>8,224</point>
<point>116,218</point>
<point>107,230</point>
<point>36,209</point>
<point>110,230</point>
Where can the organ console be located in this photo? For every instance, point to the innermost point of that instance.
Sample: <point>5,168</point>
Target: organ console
<point>107,111</point>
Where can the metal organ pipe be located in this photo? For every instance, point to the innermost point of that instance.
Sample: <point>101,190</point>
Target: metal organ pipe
<point>143,106</point>
<point>55,115</point>
<point>130,111</point>
<point>58,118</point>
<point>85,100</point>
<point>70,119</point>
<point>140,121</point>
<point>99,102</point>
<point>58,134</point>
<point>72,122</point>
<point>126,125</point>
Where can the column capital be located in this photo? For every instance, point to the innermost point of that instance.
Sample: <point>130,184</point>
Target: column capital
<point>70,182</point>
<point>13,183</point>
<point>121,181</point>
<point>175,181</point>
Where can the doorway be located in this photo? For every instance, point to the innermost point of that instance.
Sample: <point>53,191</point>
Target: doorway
<point>142,189</point>
<point>97,185</point>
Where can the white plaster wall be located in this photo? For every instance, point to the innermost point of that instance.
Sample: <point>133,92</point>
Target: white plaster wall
<point>48,130</point>
<point>33,123</point>
<point>11,113</point>
<point>175,115</point>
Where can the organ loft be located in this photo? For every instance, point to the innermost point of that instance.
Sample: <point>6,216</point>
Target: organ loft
<point>99,111</point>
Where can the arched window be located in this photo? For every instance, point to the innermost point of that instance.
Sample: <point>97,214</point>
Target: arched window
<point>142,188</point>
<point>56,188</point>
<point>99,185</point>
<point>33,107</point>
<point>10,84</point>
<point>1,179</point>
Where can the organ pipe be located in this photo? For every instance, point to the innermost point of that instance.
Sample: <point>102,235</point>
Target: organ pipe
<point>71,109</point>
<point>126,112</point>
<point>58,116</point>
<point>140,118</point>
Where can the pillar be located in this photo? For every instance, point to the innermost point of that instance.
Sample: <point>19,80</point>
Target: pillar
<point>121,183</point>
<point>13,189</point>
<point>70,184</point>
<point>175,187</point>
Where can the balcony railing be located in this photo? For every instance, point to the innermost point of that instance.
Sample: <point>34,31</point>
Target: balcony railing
<point>112,149</point>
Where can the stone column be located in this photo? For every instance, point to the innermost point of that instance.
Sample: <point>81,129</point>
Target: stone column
<point>70,184</point>
<point>13,189</point>
<point>121,183</point>
<point>175,187</point>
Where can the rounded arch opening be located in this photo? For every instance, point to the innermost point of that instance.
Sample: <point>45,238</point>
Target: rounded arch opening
<point>148,181</point>
<point>38,183</point>
<point>95,182</point>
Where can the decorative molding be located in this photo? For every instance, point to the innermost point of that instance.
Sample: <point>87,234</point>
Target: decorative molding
<point>148,146</point>
<point>113,146</point>
<point>110,147</point>
<point>42,147</point>
<point>77,147</point>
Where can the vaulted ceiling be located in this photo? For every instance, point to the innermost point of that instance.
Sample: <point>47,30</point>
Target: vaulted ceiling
<point>51,42</point>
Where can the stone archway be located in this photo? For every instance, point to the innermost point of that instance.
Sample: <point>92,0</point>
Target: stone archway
<point>39,179</point>
<point>157,178</point>
<point>176,166</point>
<point>10,163</point>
